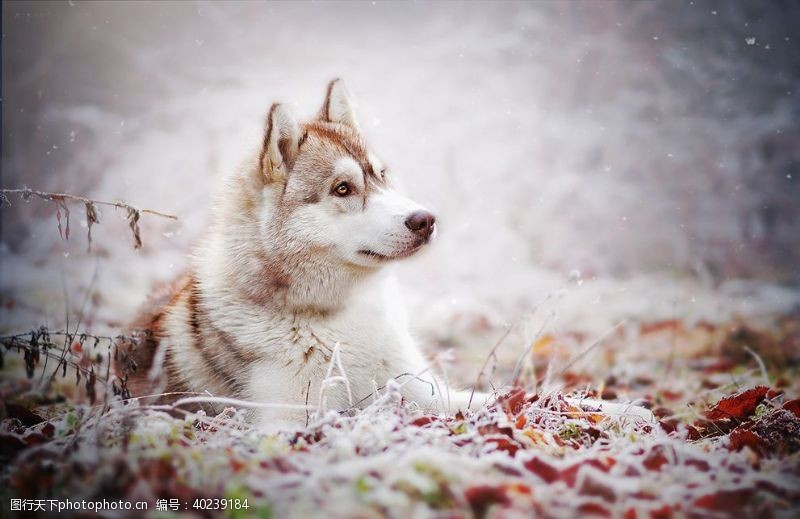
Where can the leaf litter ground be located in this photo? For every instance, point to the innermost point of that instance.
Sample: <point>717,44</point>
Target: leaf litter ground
<point>726,443</point>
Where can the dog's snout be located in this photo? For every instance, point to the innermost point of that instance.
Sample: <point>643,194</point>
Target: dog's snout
<point>421,223</point>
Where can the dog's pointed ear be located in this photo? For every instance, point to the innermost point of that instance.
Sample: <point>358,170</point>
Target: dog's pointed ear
<point>281,140</point>
<point>339,105</point>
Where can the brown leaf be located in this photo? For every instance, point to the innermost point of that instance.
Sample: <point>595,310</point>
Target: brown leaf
<point>504,444</point>
<point>422,421</point>
<point>665,512</point>
<point>58,216</point>
<point>542,469</point>
<point>655,459</point>
<point>481,497</point>
<point>593,509</point>
<point>133,223</point>
<point>738,406</point>
<point>570,474</point>
<point>793,406</point>
<point>24,415</point>
<point>730,501</point>
<point>741,438</point>
<point>92,218</point>
<point>513,401</point>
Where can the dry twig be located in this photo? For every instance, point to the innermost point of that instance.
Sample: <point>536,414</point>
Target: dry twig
<point>92,216</point>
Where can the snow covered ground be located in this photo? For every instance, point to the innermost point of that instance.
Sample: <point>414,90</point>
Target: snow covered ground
<point>612,156</point>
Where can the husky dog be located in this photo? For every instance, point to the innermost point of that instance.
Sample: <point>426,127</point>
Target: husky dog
<point>291,272</point>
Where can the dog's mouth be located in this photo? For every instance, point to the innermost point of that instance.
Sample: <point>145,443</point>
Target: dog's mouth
<point>396,256</point>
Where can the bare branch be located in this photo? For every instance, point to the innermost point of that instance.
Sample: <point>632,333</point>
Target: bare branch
<point>60,199</point>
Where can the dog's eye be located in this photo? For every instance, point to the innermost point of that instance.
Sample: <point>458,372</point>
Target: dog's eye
<point>342,189</point>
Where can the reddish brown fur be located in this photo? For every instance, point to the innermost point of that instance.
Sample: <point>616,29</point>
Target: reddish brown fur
<point>345,138</point>
<point>135,358</point>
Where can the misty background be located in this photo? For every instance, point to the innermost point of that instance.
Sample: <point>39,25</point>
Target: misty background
<point>617,160</point>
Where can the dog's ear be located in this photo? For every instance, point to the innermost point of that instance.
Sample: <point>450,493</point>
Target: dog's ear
<point>281,140</point>
<point>338,106</point>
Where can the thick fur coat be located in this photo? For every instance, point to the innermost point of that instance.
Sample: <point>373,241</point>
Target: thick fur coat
<point>292,271</point>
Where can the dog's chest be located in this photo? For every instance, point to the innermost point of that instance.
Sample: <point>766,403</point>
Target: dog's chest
<point>361,340</point>
<point>308,343</point>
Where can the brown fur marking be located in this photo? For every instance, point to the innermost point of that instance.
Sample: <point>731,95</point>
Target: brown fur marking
<point>199,322</point>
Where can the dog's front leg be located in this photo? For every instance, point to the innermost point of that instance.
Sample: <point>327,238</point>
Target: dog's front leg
<point>280,396</point>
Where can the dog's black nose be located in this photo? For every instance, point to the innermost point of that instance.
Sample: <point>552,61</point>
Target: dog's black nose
<point>421,223</point>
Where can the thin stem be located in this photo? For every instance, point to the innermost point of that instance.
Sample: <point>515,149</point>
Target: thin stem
<point>56,196</point>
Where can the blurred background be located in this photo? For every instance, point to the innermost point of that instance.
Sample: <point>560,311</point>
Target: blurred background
<point>591,163</point>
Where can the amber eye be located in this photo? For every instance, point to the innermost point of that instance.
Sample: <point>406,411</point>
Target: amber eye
<point>342,189</point>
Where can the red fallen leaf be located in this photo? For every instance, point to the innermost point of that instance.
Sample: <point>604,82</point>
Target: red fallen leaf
<point>423,421</point>
<point>692,433</point>
<point>731,501</point>
<point>542,469</point>
<point>783,492</point>
<point>774,393</point>
<point>48,430</point>
<point>309,437</point>
<point>512,402</point>
<point>793,406</point>
<point>669,425</point>
<point>34,438</point>
<point>740,405</point>
<point>481,497</point>
<point>665,512</point>
<point>594,487</point>
<point>662,412</point>
<point>594,509</point>
<point>655,459</point>
<point>76,347</point>
<point>504,444</point>
<point>631,471</point>
<point>236,465</point>
<point>494,429</point>
<point>570,474</point>
<point>741,438</point>
<point>521,422</point>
